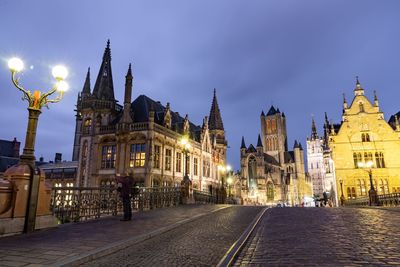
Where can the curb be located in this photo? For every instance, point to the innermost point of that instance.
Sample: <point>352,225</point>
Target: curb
<point>114,247</point>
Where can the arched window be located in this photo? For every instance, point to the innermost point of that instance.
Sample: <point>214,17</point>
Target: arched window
<point>361,187</point>
<point>357,157</point>
<point>365,137</point>
<point>270,191</point>
<point>379,160</point>
<point>252,171</point>
<point>368,157</point>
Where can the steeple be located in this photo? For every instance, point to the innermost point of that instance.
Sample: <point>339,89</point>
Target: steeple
<point>86,86</point>
<point>326,131</point>
<point>262,113</point>
<point>358,90</point>
<point>314,134</point>
<point>126,117</point>
<point>296,145</point>
<point>259,143</point>
<point>104,87</point>
<point>376,102</point>
<point>243,144</point>
<point>344,101</point>
<point>215,120</point>
<point>271,111</point>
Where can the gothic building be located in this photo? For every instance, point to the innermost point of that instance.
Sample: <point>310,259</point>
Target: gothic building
<point>321,167</point>
<point>142,138</point>
<point>271,173</point>
<point>365,144</point>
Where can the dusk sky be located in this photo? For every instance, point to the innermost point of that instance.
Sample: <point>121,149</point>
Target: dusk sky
<point>300,56</point>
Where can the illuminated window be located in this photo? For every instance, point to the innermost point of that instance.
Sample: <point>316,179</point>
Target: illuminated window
<point>88,122</point>
<point>178,166</point>
<point>157,150</point>
<point>351,193</point>
<point>195,166</point>
<point>357,157</point>
<point>361,187</point>
<point>270,191</point>
<point>168,159</point>
<point>379,159</point>
<point>206,168</point>
<point>383,186</point>
<point>138,155</point>
<point>108,155</point>
<point>368,157</point>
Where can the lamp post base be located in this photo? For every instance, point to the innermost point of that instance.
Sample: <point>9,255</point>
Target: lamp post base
<point>373,198</point>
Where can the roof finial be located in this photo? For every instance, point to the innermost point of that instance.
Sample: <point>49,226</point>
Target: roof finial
<point>108,43</point>
<point>357,82</point>
<point>130,69</point>
<point>243,145</point>
<point>314,134</point>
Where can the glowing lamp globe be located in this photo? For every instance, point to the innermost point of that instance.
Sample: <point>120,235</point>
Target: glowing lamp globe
<point>60,72</point>
<point>15,64</point>
<point>62,86</point>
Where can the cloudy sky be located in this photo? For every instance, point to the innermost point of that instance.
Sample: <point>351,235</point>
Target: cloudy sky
<point>298,55</point>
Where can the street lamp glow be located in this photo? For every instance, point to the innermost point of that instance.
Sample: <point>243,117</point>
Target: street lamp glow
<point>15,64</point>
<point>184,141</point>
<point>228,168</point>
<point>367,164</point>
<point>229,180</point>
<point>60,72</point>
<point>62,86</point>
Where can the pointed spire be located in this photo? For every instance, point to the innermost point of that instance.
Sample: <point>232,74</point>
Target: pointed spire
<point>314,134</point>
<point>262,113</point>
<point>300,146</point>
<point>259,143</point>
<point>344,101</point>
<point>128,86</point>
<point>271,111</point>
<point>243,143</point>
<point>104,87</point>
<point>358,90</point>
<point>376,102</point>
<point>215,120</point>
<point>278,111</point>
<point>86,86</point>
<point>296,145</point>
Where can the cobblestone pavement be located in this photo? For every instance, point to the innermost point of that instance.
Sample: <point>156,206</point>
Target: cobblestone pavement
<point>324,237</point>
<point>68,241</point>
<point>202,242</point>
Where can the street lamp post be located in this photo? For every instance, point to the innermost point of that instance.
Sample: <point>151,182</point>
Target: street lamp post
<point>342,196</point>
<point>36,101</point>
<point>186,147</point>
<point>229,181</point>
<point>373,196</point>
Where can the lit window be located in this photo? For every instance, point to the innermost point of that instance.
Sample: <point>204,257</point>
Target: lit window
<point>138,155</point>
<point>195,166</point>
<point>108,156</point>
<point>357,158</point>
<point>379,160</point>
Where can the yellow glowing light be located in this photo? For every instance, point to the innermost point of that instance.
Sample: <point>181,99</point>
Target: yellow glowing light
<point>184,141</point>
<point>228,168</point>
<point>62,86</point>
<point>60,72</point>
<point>15,64</point>
<point>229,180</point>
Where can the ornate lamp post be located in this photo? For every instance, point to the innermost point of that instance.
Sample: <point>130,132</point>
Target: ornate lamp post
<point>36,101</point>
<point>342,196</point>
<point>186,147</point>
<point>373,196</point>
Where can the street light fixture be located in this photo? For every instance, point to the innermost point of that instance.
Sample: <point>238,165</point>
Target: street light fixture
<point>36,101</point>
<point>373,197</point>
<point>186,147</point>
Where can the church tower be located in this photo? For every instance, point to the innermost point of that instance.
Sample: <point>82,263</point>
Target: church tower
<point>216,128</point>
<point>273,130</point>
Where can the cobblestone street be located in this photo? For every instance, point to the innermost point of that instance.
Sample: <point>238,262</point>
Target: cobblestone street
<point>202,242</point>
<point>324,237</point>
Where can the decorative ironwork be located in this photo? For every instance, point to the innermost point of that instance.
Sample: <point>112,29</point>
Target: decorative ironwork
<point>74,204</point>
<point>203,197</point>
<point>383,200</point>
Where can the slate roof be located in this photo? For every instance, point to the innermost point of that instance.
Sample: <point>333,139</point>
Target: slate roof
<point>7,148</point>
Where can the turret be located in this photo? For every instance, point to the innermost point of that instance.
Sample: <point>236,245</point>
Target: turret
<point>358,90</point>
<point>345,106</point>
<point>259,145</point>
<point>243,146</point>
<point>126,117</point>
<point>376,102</point>
<point>314,134</point>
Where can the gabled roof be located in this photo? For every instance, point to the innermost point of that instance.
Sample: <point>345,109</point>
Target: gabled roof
<point>141,107</point>
<point>270,159</point>
<point>251,149</point>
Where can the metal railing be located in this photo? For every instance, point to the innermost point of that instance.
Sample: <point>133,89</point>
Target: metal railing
<point>362,201</point>
<point>74,204</point>
<point>391,200</point>
<point>203,197</point>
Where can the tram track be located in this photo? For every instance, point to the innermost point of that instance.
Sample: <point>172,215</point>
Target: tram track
<point>234,251</point>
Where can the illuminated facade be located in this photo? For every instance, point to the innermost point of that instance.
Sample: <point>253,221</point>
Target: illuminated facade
<point>364,136</point>
<point>142,138</point>
<point>270,173</point>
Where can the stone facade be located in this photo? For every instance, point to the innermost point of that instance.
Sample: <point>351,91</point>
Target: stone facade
<point>143,138</point>
<point>364,137</point>
<point>270,173</point>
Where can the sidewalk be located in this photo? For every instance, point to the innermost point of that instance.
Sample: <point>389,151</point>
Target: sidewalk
<point>72,244</point>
